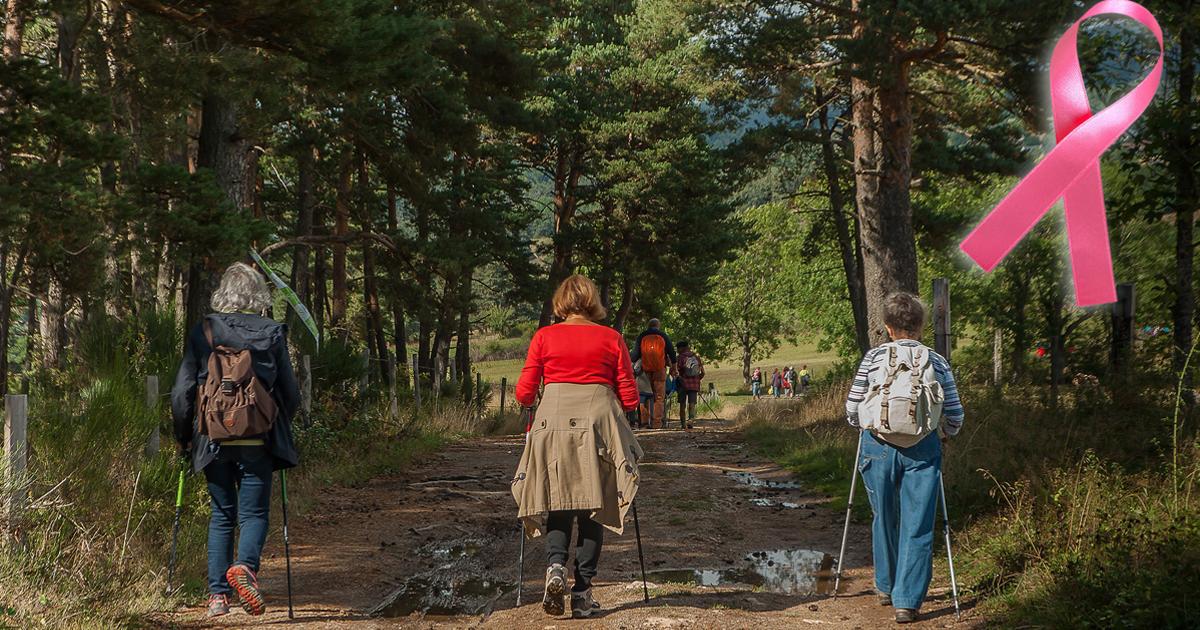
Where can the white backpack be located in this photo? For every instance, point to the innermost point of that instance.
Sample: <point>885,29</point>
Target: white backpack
<point>691,366</point>
<point>904,399</point>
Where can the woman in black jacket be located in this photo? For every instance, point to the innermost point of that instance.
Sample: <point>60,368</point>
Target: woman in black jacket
<point>239,471</point>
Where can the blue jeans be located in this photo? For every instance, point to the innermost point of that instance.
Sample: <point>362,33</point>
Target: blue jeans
<point>755,389</point>
<point>902,484</point>
<point>239,482</point>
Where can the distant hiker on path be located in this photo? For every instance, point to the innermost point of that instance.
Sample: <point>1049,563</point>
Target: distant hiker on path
<point>791,382</point>
<point>645,395</point>
<point>237,459</point>
<point>900,395</point>
<point>805,379</point>
<point>756,383</point>
<point>691,372</point>
<point>654,349</point>
<point>580,459</point>
<point>776,383</point>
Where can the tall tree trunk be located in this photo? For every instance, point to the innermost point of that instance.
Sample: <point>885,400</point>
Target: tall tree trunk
<point>399,330</point>
<point>1019,326</point>
<point>747,357</point>
<point>1182,159</point>
<point>341,227</point>
<point>14,28</point>
<point>370,284</point>
<point>462,352</point>
<point>882,144</point>
<point>566,188</point>
<point>628,295</point>
<point>223,150</point>
<point>52,325</point>
<point>846,246</point>
<point>306,161</point>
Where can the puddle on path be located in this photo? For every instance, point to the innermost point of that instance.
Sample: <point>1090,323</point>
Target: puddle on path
<point>765,502</point>
<point>438,594</point>
<point>786,571</point>
<point>457,583</point>
<point>754,481</point>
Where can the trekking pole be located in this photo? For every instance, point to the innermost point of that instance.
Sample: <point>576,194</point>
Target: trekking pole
<point>526,426</point>
<point>849,504</point>
<point>637,530</point>
<point>287,552</point>
<point>175,531</point>
<point>949,553</point>
<point>520,562</point>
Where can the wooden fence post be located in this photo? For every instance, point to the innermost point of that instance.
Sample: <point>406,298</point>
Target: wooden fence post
<point>306,389</point>
<point>16,451</point>
<point>941,317</point>
<point>503,392</point>
<point>155,441</point>
<point>998,357</point>
<point>416,381</point>
<point>1122,328</point>
<point>393,404</point>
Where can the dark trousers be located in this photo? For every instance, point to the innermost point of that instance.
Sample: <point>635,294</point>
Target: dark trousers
<point>587,547</point>
<point>239,482</point>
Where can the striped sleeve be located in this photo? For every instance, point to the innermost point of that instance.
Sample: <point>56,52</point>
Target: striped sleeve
<point>952,409</point>
<point>858,389</point>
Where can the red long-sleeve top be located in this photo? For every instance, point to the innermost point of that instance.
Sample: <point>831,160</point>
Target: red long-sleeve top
<point>585,354</point>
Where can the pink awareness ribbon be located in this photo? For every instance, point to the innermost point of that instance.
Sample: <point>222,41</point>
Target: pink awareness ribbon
<point>1071,170</point>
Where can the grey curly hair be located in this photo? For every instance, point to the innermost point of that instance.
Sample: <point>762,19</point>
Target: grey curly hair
<point>242,289</point>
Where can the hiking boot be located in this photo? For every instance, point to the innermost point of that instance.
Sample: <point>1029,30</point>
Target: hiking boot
<point>905,615</point>
<point>583,604</point>
<point>218,604</point>
<point>885,599</point>
<point>243,580</point>
<point>556,590</point>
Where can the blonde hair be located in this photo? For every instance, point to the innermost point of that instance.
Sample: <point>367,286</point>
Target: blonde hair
<point>578,296</point>
<point>242,289</point>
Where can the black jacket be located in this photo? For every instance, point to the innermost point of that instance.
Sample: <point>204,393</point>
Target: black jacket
<point>637,345</point>
<point>267,341</point>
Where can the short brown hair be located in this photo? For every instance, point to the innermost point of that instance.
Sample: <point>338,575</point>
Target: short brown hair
<point>578,296</point>
<point>904,313</point>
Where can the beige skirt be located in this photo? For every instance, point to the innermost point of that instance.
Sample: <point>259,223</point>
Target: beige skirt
<point>579,455</point>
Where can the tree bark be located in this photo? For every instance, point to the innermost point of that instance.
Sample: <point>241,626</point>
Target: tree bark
<point>14,28</point>
<point>223,150</point>
<point>882,146</point>
<point>341,227</point>
<point>846,246</point>
<point>566,200</point>
<point>1182,161</point>
<point>628,296</point>
<point>306,161</point>
<point>375,338</point>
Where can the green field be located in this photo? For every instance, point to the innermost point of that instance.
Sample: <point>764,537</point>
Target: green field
<point>726,374</point>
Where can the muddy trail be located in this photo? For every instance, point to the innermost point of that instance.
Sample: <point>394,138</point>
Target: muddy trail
<point>730,541</point>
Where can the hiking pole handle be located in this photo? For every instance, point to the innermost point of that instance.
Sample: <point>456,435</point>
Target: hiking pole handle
<point>837,581</point>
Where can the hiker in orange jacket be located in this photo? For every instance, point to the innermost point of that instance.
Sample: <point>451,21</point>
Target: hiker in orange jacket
<point>654,349</point>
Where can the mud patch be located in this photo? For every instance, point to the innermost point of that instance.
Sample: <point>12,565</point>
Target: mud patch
<point>787,505</point>
<point>785,571</point>
<point>458,583</point>
<point>754,481</point>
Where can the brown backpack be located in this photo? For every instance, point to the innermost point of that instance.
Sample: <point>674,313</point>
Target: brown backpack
<point>232,403</point>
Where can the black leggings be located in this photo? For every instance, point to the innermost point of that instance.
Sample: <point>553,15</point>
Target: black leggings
<point>587,548</point>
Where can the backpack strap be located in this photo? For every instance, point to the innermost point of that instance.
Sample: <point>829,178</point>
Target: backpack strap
<point>886,388</point>
<point>207,326</point>
<point>916,385</point>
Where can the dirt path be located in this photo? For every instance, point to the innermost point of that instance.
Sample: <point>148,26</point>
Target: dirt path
<point>443,535</point>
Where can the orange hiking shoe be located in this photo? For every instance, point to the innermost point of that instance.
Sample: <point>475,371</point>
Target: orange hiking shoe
<point>243,580</point>
<point>218,605</point>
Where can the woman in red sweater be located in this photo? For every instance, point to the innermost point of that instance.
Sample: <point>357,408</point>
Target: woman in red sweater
<point>580,458</point>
